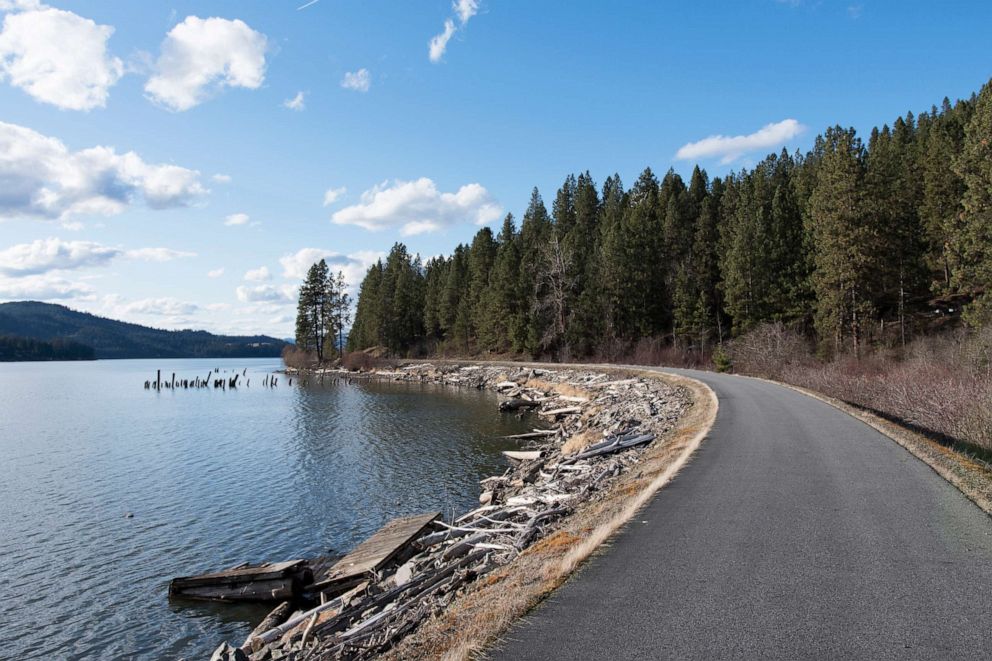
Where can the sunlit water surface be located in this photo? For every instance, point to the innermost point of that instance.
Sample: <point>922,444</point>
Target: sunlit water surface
<point>213,479</point>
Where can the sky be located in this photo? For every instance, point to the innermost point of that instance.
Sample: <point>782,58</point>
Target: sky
<point>181,164</point>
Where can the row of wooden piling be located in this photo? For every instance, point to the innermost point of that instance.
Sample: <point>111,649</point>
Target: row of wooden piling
<point>210,381</point>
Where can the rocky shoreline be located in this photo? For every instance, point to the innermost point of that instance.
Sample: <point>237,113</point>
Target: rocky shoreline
<point>597,426</point>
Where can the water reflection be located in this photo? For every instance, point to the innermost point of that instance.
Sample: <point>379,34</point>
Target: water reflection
<point>213,479</point>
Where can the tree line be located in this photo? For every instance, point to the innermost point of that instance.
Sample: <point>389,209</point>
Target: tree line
<point>323,312</point>
<point>26,348</point>
<point>851,243</point>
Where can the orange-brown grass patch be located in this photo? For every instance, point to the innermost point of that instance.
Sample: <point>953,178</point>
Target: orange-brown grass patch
<point>580,441</point>
<point>565,389</point>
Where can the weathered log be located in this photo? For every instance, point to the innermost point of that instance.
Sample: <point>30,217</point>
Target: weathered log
<point>522,455</point>
<point>278,615</point>
<point>518,404</point>
<point>568,410</point>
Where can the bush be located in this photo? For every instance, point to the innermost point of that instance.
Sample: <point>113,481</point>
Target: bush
<point>769,350</point>
<point>721,360</point>
<point>294,357</point>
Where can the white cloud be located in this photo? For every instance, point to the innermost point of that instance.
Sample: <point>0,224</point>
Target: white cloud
<point>57,57</point>
<point>236,219</point>
<point>158,254</point>
<point>730,149</point>
<point>439,42</point>
<point>165,306</point>
<point>360,80</point>
<point>216,273</point>
<point>296,103</point>
<point>200,56</point>
<point>417,206</point>
<point>45,287</point>
<point>332,195</point>
<point>353,265</point>
<point>258,275</point>
<point>222,178</point>
<point>466,9</point>
<point>53,254</point>
<point>267,294</point>
<point>41,178</point>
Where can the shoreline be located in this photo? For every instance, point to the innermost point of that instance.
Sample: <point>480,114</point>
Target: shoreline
<point>566,493</point>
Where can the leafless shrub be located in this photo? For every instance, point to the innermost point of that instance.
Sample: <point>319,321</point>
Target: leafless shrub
<point>364,361</point>
<point>293,356</point>
<point>769,350</point>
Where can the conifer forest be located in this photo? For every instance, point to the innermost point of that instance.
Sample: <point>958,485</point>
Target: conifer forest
<point>859,242</point>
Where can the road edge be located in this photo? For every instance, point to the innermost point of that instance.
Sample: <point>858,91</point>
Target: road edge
<point>565,551</point>
<point>971,478</point>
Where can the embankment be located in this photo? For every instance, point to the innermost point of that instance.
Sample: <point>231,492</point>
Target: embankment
<point>613,438</point>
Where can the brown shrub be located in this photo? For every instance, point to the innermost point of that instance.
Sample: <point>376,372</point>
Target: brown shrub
<point>293,356</point>
<point>768,350</point>
<point>365,361</point>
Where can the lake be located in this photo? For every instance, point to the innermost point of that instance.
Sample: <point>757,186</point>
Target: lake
<point>212,479</point>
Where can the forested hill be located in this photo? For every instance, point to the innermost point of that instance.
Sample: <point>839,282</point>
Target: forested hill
<point>116,339</point>
<point>853,243</point>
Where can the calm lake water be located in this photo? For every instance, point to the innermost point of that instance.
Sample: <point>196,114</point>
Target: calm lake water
<point>213,479</point>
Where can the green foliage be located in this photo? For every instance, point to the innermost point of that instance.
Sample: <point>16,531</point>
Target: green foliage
<point>844,244</point>
<point>25,348</point>
<point>974,166</point>
<point>721,359</point>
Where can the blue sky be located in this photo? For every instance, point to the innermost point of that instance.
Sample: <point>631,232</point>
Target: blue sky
<point>170,163</point>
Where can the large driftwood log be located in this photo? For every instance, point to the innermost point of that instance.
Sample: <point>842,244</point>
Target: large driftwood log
<point>518,404</point>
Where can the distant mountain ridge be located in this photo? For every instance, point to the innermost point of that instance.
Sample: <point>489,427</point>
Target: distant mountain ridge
<point>110,339</point>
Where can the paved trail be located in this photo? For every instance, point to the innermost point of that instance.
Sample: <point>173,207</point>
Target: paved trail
<point>795,532</point>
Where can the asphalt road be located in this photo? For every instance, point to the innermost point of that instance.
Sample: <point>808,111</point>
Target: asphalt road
<point>795,532</point>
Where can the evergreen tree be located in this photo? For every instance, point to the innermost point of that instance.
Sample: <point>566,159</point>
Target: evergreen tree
<point>585,318</point>
<point>534,234</point>
<point>612,256</point>
<point>367,329</point>
<point>943,190</point>
<point>340,310</point>
<point>643,305</point>
<point>481,256</point>
<point>315,310</point>
<point>501,319</point>
<point>844,242</point>
<point>974,166</point>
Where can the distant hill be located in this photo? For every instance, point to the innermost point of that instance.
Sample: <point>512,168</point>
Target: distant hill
<point>116,339</point>
<point>26,348</point>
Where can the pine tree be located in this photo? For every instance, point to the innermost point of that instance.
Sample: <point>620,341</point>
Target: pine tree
<point>644,301</point>
<point>943,190</point>
<point>314,311</point>
<point>844,242</point>
<point>340,310</point>
<point>499,328</point>
<point>585,318</point>
<point>973,166</point>
<point>534,234</point>
<point>612,257</point>
<point>367,329</point>
<point>481,256</point>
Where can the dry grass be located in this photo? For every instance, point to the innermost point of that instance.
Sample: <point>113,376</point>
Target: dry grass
<point>579,442</point>
<point>487,609</point>
<point>565,389</point>
<point>941,385</point>
<point>972,478</point>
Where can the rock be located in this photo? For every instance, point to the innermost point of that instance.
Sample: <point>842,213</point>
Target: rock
<point>227,653</point>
